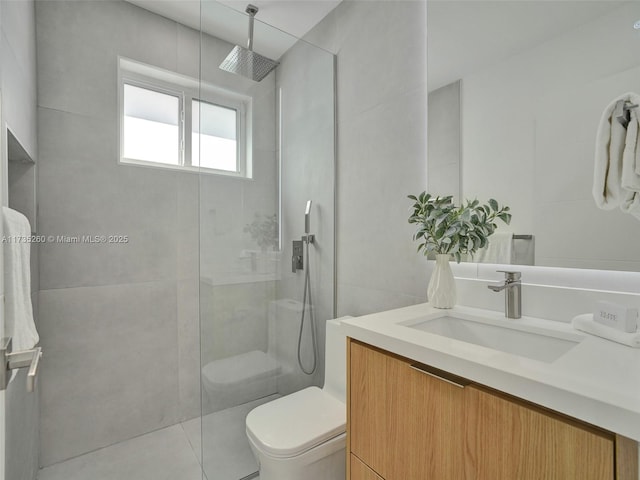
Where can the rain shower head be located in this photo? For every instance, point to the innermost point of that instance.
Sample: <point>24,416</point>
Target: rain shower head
<point>246,62</point>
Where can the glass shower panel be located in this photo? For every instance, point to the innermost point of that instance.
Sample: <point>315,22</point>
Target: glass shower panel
<point>251,302</point>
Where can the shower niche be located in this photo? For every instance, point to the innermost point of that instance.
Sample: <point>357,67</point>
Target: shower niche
<point>21,169</point>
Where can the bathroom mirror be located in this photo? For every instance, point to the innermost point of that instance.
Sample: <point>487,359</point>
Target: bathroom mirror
<point>517,90</point>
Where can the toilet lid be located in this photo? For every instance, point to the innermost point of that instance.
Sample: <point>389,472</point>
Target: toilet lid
<point>240,368</point>
<point>295,423</point>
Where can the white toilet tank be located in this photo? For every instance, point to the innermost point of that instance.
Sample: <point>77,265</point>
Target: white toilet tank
<point>335,354</point>
<point>284,323</point>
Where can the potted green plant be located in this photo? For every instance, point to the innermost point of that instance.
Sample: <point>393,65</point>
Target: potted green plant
<point>447,230</point>
<point>263,231</point>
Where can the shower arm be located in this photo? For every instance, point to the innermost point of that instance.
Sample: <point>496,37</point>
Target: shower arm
<point>251,10</point>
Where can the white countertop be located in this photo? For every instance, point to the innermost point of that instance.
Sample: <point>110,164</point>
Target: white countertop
<point>597,381</point>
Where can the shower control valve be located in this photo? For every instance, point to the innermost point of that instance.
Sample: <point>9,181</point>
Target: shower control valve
<point>297,262</point>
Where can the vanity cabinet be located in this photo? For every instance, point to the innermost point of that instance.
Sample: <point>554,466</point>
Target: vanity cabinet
<point>359,471</point>
<point>407,421</point>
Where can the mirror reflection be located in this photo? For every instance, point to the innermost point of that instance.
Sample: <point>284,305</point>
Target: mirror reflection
<point>517,95</point>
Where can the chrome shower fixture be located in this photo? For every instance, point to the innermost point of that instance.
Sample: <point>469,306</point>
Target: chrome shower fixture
<point>298,246</point>
<point>244,61</point>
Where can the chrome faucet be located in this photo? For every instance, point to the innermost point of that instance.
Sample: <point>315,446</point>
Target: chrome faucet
<point>512,295</point>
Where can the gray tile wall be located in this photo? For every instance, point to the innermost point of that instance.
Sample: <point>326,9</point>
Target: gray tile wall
<point>305,81</point>
<point>18,86</point>
<point>19,72</point>
<point>382,122</point>
<point>120,322</point>
<point>112,314</point>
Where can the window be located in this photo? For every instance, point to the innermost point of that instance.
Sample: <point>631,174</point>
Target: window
<point>214,141</point>
<point>157,108</point>
<point>151,125</point>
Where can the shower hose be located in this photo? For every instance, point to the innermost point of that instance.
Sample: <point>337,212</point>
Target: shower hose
<point>312,323</point>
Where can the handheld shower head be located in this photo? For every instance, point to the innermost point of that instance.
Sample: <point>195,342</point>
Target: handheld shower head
<point>307,220</point>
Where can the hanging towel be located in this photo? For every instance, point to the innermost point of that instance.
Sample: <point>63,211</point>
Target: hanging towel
<point>498,250</point>
<point>616,179</point>
<point>17,281</point>
<point>630,179</point>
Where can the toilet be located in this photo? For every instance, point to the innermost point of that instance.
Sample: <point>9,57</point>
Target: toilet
<point>302,435</point>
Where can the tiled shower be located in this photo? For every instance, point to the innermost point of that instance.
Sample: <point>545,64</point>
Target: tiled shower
<point>128,326</point>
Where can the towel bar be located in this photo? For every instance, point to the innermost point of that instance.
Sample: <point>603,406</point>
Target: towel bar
<point>626,117</point>
<point>22,359</point>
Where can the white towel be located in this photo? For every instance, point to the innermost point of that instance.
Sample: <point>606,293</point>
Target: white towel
<point>616,178</point>
<point>498,250</point>
<point>17,281</point>
<point>586,323</point>
<point>630,179</point>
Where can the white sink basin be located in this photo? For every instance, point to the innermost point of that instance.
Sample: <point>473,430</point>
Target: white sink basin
<point>545,346</point>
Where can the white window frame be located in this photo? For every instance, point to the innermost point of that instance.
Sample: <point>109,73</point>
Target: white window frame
<point>159,87</point>
<point>187,89</point>
<point>241,130</point>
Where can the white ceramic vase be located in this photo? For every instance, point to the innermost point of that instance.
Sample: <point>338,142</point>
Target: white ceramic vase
<point>442,286</point>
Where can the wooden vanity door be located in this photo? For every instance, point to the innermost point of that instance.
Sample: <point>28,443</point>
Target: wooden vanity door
<point>508,439</point>
<point>359,471</point>
<point>404,424</point>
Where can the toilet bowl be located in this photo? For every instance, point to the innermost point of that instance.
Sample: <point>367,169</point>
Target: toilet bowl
<point>302,435</point>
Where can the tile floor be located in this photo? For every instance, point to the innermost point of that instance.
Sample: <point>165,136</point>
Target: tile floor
<point>172,453</point>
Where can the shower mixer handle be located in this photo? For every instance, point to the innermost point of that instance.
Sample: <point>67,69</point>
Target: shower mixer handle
<point>297,262</point>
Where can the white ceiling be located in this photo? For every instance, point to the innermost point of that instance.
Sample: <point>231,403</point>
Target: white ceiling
<point>464,36</point>
<point>227,19</point>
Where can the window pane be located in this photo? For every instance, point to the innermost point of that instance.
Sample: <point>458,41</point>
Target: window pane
<point>151,126</point>
<point>214,141</point>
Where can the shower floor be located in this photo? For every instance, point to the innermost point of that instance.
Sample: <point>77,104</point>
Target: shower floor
<point>171,453</point>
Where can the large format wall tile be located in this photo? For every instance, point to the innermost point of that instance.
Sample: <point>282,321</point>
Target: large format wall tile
<point>83,191</point>
<point>78,48</point>
<point>131,309</point>
<point>388,60</point>
<point>381,107</point>
<point>374,237</point>
<point>188,331</point>
<point>22,425</point>
<point>110,371</point>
